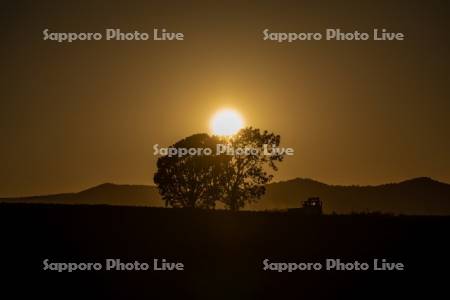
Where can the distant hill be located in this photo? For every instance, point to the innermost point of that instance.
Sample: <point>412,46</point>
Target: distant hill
<point>107,193</point>
<point>416,196</point>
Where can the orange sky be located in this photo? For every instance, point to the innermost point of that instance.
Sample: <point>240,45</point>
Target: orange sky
<point>80,114</point>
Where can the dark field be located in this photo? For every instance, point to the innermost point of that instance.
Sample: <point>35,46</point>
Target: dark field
<point>222,253</point>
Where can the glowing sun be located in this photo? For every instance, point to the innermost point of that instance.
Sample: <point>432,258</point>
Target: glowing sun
<point>226,122</point>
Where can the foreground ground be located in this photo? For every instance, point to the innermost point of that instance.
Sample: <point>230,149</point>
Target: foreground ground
<point>222,253</point>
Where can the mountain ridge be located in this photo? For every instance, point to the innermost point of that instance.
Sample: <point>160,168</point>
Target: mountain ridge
<point>420,195</point>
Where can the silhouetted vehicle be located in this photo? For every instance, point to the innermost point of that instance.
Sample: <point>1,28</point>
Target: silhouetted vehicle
<point>311,206</point>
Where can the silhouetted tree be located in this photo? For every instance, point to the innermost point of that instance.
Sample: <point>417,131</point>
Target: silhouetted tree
<point>198,181</point>
<point>191,180</point>
<point>245,176</point>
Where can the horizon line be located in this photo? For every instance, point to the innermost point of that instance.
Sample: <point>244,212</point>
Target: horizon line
<point>275,182</point>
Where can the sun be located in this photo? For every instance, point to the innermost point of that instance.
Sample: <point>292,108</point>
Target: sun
<point>226,122</point>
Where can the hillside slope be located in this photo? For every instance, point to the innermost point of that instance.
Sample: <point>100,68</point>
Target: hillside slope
<point>416,196</point>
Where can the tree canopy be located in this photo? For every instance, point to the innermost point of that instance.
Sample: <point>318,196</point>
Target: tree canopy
<point>243,180</point>
<point>235,179</point>
<point>190,180</point>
